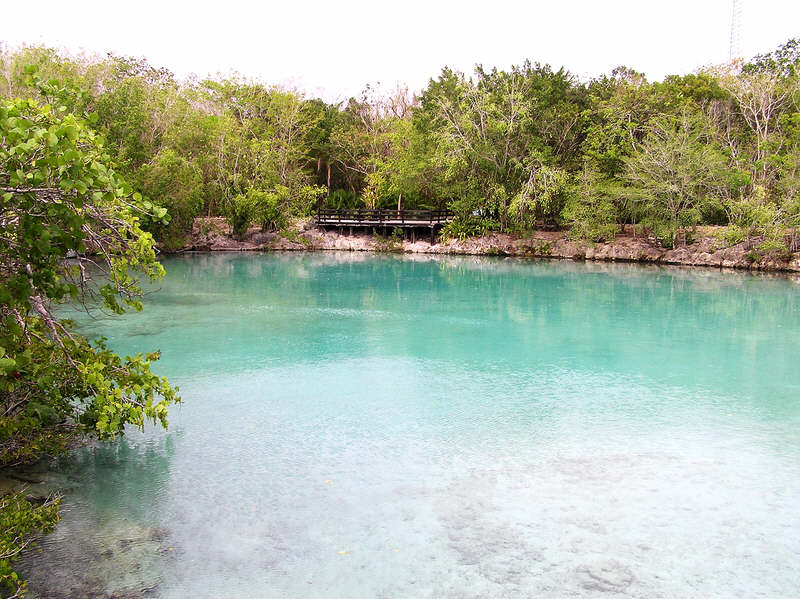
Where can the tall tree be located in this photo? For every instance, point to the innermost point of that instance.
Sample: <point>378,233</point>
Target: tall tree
<point>69,229</point>
<point>676,168</point>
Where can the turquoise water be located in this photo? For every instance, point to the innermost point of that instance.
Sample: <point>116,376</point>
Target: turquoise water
<point>381,426</point>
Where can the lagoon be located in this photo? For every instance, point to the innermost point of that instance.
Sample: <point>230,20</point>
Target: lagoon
<point>362,425</point>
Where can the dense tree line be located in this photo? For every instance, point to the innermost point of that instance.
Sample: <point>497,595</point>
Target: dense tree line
<point>506,150</point>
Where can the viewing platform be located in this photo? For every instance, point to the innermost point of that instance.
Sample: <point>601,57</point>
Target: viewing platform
<point>365,217</point>
<point>388,219</point>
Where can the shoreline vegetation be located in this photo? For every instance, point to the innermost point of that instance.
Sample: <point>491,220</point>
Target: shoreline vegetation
<point>507,151</point>
<point>707,249</point>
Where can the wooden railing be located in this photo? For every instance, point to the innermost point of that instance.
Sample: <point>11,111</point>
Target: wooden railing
<point>379,217</point>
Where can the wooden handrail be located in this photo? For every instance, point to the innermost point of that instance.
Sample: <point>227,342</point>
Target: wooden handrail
<point>380,215</point>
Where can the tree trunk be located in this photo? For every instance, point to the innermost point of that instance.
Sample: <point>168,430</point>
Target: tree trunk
<point>329,178</point>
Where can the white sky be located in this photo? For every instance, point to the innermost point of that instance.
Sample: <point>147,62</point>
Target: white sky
<point>334,48</point>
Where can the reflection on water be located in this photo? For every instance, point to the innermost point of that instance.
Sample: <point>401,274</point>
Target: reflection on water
<point>370,426</point>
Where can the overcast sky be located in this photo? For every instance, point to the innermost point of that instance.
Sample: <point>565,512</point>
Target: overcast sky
<point>334,48</point>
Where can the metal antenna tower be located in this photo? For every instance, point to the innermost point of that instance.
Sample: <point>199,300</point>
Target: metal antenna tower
<point>736,30</point>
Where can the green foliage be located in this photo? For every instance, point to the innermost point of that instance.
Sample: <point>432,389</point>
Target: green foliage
<point>675,170</point>
<point>60,195</point>
<point>774,249</point>
<point>173,183</point>
<point>20,521</point>
<point>463,227</point>
<point>543,196</point>
<point>506,146</point>
<point>755,217</point>
<point>784,61</point>
<point>590,210</point>
<point>242,211</point>
<point>731,235</point>
<point>295,236</point>
<point>391,244</point>
<point>503,141</point>
<point>271,209</point>
<point>303,200</point>
<point>664,232</point>
<point>342,199</point>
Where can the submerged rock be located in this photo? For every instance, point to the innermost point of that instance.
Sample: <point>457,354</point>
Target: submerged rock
<point>117,560</point>
<point>607,576</point>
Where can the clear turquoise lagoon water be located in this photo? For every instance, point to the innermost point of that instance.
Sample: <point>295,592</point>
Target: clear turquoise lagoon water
<point>382,426</point>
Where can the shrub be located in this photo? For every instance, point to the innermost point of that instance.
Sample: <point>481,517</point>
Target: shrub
<point>268,208</point>
<point>20,520</point>
<point>664,233</point>
<point>774,249</point>
<point>294,236</point>
<point>591,219</point>
<point>590,210</point>
<point>731,235</point>
<point>271,209</point>
<point>391,244</point>
<point>172,182</point>
<point>462,227</point>
<point>341,199</point>
<point>241,214</point>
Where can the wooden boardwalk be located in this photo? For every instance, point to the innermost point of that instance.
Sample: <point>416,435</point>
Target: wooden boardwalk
<point>364,217</point>
<point>407,220</point>
<point>386,219</point>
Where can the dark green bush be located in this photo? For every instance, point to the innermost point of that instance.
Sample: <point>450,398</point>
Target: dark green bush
<point>463,227</point>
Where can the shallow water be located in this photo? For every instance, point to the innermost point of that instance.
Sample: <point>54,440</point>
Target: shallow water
<point>381,426</point>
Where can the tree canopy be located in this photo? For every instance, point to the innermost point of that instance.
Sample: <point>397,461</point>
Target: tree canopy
<point>505,149</point>
<point>69,231</point>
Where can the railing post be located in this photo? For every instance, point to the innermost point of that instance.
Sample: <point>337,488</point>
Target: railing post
<point>381,217</point>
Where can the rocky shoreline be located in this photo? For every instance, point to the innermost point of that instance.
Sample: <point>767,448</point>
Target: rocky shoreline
<point>214,234</point>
